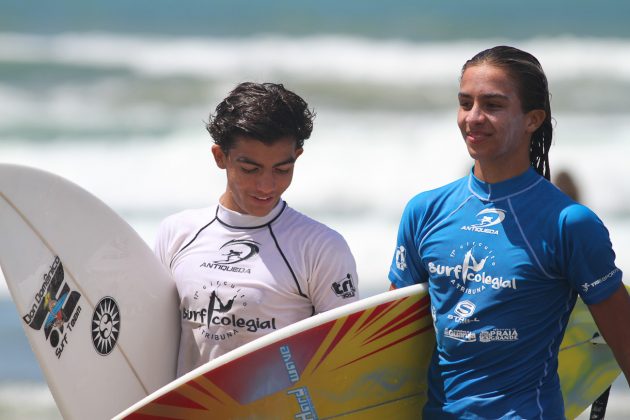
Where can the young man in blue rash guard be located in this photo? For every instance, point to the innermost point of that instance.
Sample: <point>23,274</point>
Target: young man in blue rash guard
<point>505,254</point>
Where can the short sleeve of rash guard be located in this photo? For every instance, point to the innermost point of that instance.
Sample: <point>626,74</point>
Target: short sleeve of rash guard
<point>406,268</point>
<point>588,255</point>
<point>335,280</point>
<point>161,242</point>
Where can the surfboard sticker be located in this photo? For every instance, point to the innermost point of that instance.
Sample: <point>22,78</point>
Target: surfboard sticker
<point>55,308</point>
<point>106,325</point>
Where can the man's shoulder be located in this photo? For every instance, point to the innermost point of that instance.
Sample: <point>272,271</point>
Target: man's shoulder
<point>294,222</point>
<point>444,198</point>
<point>188,220</point>
<point>556,206</point>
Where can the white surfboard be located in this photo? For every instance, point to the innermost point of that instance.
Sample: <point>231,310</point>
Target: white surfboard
<point>99,311</point>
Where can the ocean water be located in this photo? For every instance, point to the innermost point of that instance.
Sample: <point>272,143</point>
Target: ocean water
<point>114,97</point>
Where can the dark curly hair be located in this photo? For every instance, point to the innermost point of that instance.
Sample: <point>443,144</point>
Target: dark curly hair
<point>263,111</point>
<point>533,91</point>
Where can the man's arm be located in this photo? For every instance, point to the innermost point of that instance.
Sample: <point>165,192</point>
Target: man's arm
<point>612,317</point>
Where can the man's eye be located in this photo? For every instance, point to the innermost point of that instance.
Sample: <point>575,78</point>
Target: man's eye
<point>249,170</point>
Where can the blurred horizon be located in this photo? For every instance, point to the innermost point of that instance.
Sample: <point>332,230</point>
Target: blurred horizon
<point>421,20</point>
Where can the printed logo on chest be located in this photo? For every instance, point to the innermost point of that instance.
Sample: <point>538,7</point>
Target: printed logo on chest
<point>225,314</point>
<point>485,219</point>
<point>234,252</point>
<point>472,269</point>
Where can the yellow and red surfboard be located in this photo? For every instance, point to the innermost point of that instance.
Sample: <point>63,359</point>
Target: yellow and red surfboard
<point>367,360</point>
<point>364,360</point>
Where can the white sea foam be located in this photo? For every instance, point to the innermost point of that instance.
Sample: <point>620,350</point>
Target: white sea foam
<point>92,86</point>
<point>322,57</point>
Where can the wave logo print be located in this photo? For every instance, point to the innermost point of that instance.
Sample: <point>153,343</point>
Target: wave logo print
<point>238,250</point>
<point>105,326</point>
<point>486,218</point>
<point>490,217</point>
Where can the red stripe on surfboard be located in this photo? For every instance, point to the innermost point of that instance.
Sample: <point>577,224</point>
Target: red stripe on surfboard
<point>397,324</point>
<point>382,310</point>
<point>415,312</point>
<point>348,323</point>
<point>176,399</point>
<point>393,343</point>
<point>379,312</point>
<point>200,388</point>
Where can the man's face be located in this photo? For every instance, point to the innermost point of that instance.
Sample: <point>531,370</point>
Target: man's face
<point>496,130</point>
<point>257,174</point>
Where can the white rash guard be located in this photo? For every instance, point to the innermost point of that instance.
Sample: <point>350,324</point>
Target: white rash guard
<point>240,277</point>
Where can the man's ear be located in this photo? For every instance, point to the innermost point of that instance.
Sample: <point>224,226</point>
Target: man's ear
<point>535,118</point>
<point>219,157</point>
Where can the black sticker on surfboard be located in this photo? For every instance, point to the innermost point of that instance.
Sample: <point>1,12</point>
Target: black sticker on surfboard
<point>105,325</point>
<point>55,308</point>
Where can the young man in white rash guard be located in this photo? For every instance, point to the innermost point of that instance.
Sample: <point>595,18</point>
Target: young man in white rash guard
<point>251,264</point>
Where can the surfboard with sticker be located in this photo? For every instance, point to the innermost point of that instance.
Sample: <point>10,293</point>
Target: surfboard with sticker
<point>366,360</point>
<point>94,301</point>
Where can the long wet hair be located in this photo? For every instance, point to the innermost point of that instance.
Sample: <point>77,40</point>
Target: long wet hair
<point>533,92</point>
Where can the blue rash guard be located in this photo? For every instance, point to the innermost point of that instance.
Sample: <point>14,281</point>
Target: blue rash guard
<point>505,263</point>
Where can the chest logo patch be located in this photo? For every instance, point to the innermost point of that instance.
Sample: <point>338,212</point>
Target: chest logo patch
<point>238,250</point>
<point>471,269</point>
<point>486,218</point>
<point>225,315</point>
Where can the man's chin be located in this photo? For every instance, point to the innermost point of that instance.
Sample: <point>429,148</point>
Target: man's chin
<point>262,208</point>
